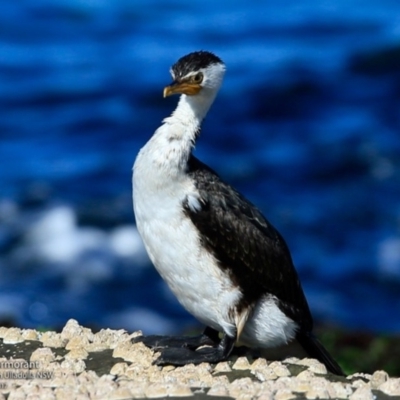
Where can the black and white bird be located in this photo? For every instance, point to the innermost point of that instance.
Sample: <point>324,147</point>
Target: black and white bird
<point>225,263</point>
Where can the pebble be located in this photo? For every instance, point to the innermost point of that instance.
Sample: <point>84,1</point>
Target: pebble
<point>119,368</point>
<point>305,375</point>
<point>105,385</point>
<point>265,375</point>
<point>109,339</point>
<point>29,334</point>
<point>13,336</point>
<point>317,393</point>
<point>52,339</point>
<point>218,390</point>
<point>156,390</point>
<point>73,329</point>
<point>136,353</point>
<point>301,386</point>
<point>168,368</point>
<point>76,366</point>
<point>378,378</point>
<point>17,394</point>
<point>284,394</point>
<point>362,393</point>
<point>259,363</point>
<point>241,364</point>
<point>313,365</point>
<point>179,390</point>
<point>3,331</point>
<point>137,391</point>
<point>220,380</point>
<point>359,383</point>
<point>194,376</point>
<point>223,367</point>
<point>339,391</point>
<point>242,386</point>
<point>318,368</point>
<point>391,387</point>
<point>77,353</point>
<point>121,393</point>
<point>266,395</point>
<point>279,369</point>
<point>43,355</point>
<point>77,342</point>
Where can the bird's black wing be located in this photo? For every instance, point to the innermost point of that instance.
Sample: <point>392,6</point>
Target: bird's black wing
<point>246,245</point>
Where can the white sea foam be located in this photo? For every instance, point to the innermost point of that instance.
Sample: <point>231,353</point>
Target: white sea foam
<point>125,241</point>
<point>56,237</point>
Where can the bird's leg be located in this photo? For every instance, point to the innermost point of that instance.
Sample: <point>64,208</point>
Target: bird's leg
<point>184,355</point>
<point>208,337</point>
<point>212,334</point>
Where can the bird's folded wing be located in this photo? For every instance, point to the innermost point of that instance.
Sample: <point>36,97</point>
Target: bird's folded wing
<point>245,244</point>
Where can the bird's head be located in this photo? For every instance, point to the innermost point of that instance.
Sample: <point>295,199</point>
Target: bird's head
<point>196,73</point>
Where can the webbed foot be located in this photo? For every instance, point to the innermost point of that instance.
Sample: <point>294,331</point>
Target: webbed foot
<point>185,355</point>
<point>209,337</point>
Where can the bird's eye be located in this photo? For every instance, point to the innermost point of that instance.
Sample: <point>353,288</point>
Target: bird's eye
<point>198,78</point>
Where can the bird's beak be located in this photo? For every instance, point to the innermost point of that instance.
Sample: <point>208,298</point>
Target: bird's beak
<point>182,87</point>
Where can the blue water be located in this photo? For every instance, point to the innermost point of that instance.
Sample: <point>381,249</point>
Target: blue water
<point>307,125</point>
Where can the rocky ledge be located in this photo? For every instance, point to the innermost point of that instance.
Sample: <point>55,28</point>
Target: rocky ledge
<point>80,364</point>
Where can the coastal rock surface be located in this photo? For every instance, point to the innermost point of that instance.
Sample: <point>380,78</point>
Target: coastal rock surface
<point>80,364</point>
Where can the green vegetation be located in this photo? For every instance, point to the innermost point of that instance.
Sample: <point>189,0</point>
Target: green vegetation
<point>362,352</point>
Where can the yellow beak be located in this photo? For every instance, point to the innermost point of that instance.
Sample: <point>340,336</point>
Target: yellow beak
<point>188,88</point>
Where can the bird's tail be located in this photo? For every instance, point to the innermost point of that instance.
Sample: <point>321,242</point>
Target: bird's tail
<point>315,349</point>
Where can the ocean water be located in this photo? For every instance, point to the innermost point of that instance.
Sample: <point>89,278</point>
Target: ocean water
<point>307,126</point>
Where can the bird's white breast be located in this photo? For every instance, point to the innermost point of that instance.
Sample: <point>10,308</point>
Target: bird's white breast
<point>172,241</point>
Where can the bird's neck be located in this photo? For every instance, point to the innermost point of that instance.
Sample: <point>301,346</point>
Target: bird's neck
<point>192,109</point>
<point>173,142</point>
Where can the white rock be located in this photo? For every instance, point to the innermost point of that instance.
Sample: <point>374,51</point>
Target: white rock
<point>284,394</point>
<point>241,363</point>
<point>218,390</point>
<point>362,393</point>
<point>317,393</point>
<point>378,378</point>
<point>222,367</point>
<point>12,336</point>
<point>279,369</point>
<point>156,390</point>
<point>391,387</point>
<point>339,390</point>
<point>43,356</point>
